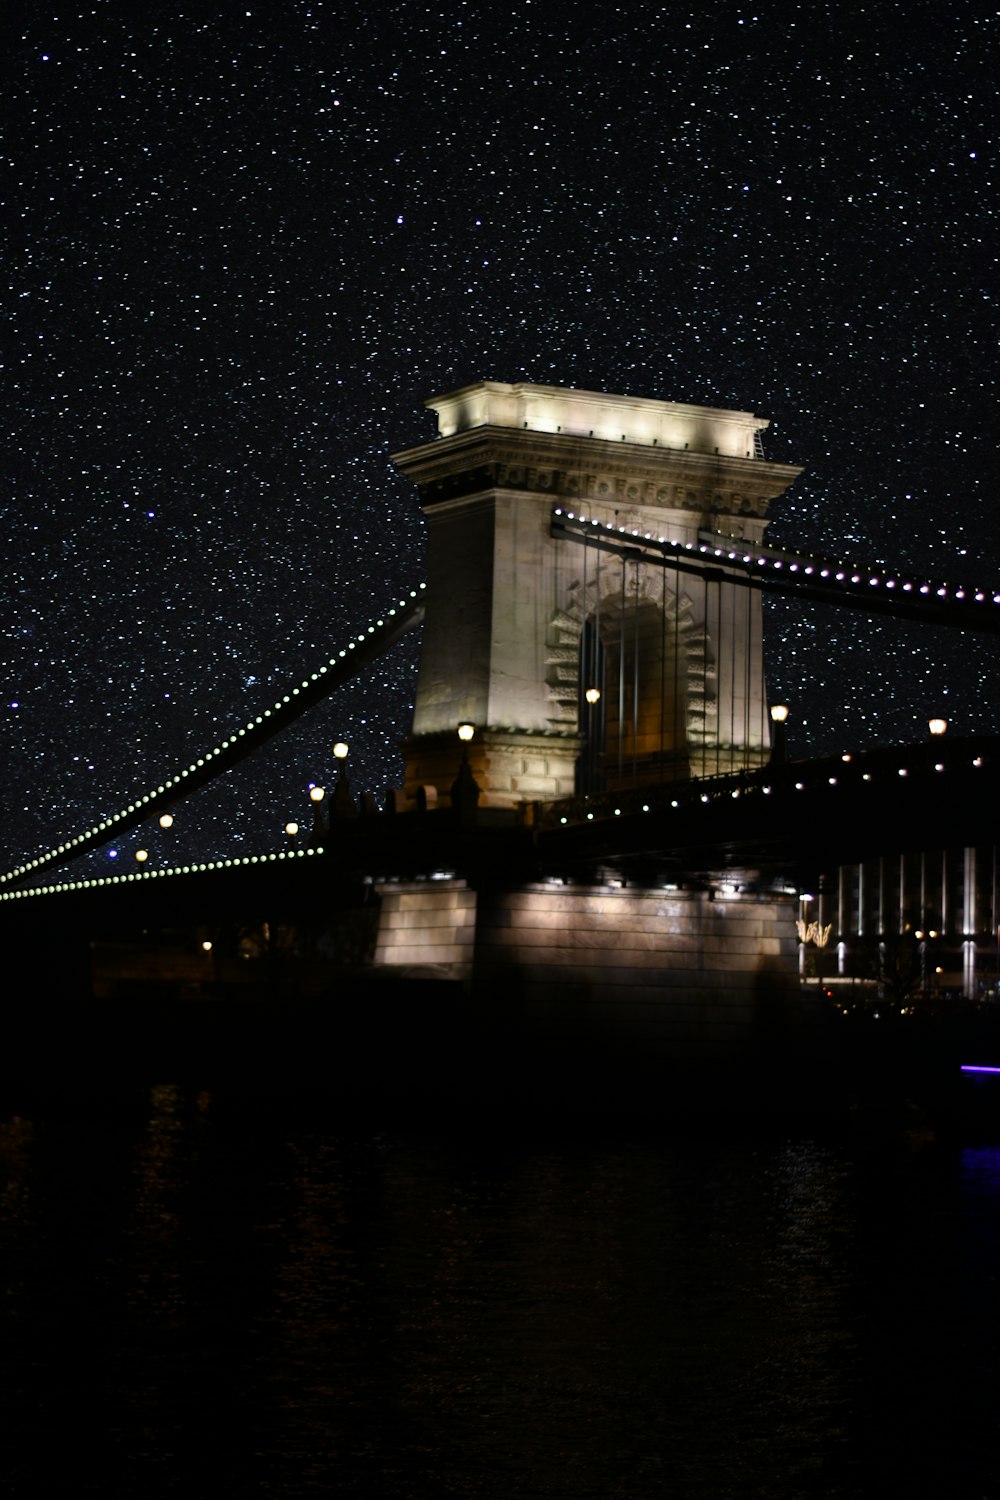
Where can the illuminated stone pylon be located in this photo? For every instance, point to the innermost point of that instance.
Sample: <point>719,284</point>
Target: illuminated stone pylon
<point>509,603</point>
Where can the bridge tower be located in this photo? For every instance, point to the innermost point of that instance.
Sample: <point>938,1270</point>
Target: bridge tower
<point>521,622</point>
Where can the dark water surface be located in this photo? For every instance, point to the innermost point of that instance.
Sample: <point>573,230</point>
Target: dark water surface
<point>205,1298</point>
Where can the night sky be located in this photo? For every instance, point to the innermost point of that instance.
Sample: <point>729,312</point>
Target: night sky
<point>245,247</point>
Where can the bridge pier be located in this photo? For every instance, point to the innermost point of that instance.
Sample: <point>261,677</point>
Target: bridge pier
<point>697,975</point>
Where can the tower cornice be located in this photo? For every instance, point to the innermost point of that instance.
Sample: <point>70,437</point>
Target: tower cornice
<point>591,470</point>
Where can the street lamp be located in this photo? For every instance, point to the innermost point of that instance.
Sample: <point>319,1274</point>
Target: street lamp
<point>343,802</point>
<point>937,726</point>
<point>465,789</point>
<point>779,745</point>
<point>318,832</point>
<point>593,695</point>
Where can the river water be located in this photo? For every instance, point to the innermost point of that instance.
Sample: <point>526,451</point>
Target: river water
<point>208,1296</point>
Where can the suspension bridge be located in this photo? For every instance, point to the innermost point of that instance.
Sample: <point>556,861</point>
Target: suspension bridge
<point>597,814</point>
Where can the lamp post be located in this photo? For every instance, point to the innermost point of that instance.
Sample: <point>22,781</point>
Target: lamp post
<point>937,728</point>
<point>318,832</point>
<point>465,790</point>
<point>921,938</point>
<point>592,728</point>
<point>805,901</point>
<point>343,802</point>
<point>779,745</point>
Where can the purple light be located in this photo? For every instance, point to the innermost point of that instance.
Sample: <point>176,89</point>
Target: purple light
<point>977,1068</point>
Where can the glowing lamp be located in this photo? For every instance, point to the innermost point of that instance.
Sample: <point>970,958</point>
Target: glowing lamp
<point>166,821</point>
<point>340,750</point>
<point>316,793</point>
<point>779,713</point>
<point>206,946</point>
<point>593,695</point>
<point>937,726</point>
<point>142,855</point>
<point>291,829</point>
<point>465,732</point>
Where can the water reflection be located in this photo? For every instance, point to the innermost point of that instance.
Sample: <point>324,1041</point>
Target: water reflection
<point>220,1298</point>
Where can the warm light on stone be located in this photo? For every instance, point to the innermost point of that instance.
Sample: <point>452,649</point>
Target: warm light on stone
<point>511,590</point>
<point>592,414</point>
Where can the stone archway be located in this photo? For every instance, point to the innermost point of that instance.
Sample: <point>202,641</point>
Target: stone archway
<point>659,703</point>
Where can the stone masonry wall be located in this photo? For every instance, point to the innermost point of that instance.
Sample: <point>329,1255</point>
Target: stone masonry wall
<point>681,973</point>
<point>677,973</point>
<point>428,923</point>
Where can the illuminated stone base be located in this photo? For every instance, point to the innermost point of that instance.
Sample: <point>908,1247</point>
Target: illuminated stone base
<point>680,973</point>
<point>514,767</point>
<point>429,924</point>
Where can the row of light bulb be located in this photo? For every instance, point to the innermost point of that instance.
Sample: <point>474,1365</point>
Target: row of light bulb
<point>110,880</point>
<point>108,825</point>
<point>767,791</point>
<point>839,573</point>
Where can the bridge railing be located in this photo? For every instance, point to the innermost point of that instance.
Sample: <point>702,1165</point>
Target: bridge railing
<point>881,766</point>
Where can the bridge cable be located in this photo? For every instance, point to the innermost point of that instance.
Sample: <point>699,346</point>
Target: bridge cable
<point>241,743</point>
<point>869,589</point>
<point>635,673</point>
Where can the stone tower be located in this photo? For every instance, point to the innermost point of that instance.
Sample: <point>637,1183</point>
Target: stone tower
<point>519,620</point>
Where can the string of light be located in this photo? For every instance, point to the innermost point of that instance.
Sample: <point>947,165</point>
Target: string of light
<point>189,777</point>
<point>698,793</point>
<point>848,576</point>
<point>136,875</point>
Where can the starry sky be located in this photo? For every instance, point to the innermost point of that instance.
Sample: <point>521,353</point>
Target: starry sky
<point>246,242</point>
